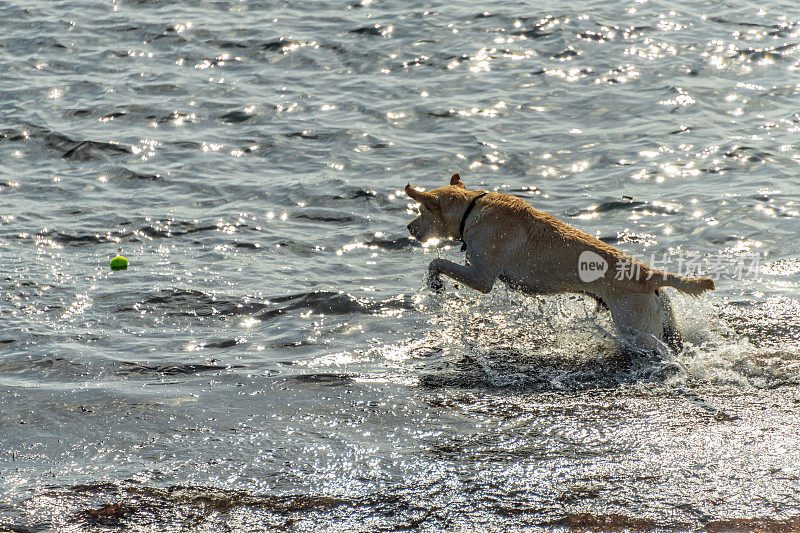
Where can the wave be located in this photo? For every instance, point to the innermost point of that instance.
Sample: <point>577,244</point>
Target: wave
<point>187,302</point>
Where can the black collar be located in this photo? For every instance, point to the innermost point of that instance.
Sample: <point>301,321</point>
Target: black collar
<point>470,207</point>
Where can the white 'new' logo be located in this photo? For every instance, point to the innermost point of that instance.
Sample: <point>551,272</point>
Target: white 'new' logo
<point>591,266</point>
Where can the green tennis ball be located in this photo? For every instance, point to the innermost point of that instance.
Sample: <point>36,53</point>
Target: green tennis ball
<point>119,263</point>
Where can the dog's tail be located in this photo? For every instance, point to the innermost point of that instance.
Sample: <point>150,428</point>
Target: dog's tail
<point>693,286</point>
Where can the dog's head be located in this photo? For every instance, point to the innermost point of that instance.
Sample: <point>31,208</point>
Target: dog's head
<point>439,211</point>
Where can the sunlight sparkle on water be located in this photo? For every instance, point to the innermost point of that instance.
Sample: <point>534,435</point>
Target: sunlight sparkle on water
<point>249,322</point>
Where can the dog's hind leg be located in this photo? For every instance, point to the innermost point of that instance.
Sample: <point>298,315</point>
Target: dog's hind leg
<point>641,317</point>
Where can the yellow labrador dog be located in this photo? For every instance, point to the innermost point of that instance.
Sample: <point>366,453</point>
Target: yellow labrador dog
<point>533,252</point>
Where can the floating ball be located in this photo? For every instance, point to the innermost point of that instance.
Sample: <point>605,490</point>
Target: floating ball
<point>119,263</point>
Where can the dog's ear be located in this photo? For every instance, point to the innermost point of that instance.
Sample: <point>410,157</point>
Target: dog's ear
<point>425,198</point>
<point>456,180</point>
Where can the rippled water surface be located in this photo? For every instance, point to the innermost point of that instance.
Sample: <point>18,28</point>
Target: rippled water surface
<point>271,359</point>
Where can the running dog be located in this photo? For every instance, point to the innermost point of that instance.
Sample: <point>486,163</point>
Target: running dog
<point>537,254</point>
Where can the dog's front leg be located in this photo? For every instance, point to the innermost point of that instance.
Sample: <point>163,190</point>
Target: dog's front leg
<point>472,275</point>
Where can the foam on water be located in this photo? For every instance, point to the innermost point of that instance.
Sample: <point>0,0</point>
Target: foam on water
<point>507,339</point>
